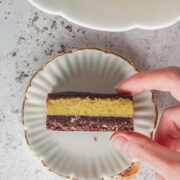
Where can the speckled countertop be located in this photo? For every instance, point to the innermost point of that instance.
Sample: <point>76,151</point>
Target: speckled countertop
<point>28,37</point>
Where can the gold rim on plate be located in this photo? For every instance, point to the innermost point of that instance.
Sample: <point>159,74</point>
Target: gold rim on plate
<point>134,167</point>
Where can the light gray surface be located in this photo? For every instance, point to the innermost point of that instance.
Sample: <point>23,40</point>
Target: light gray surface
<point>28,38</point>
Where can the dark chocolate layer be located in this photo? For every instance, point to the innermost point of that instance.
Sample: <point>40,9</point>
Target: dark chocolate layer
<point>86,123</point>
<point>86,94</point>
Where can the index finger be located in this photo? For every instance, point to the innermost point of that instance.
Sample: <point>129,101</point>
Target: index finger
<point>167,79</point>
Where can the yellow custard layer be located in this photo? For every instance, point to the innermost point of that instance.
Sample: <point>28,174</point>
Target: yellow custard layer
<point>90,107</point>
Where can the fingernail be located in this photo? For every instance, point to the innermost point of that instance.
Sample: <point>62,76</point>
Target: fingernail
<point>118,142</point>
<point>118,86</point>
<point>114,134</point>
<point>118,89</point>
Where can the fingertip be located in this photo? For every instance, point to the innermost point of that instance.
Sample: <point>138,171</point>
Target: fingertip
<point>120,84</point>
<point>121,88</point>
<point>130,136</point>
<point>124,91</point>
<point>112,136</point>
<point>119,133</point>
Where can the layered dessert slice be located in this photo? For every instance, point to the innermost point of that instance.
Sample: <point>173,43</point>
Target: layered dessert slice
<point>77,111</point>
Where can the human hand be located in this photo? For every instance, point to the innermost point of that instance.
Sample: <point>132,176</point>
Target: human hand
<point>162,154</point>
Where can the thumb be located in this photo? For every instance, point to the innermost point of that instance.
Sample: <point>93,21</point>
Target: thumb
<point>145,150</point>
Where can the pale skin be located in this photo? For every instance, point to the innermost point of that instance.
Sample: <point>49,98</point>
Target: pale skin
<point>163,153</point>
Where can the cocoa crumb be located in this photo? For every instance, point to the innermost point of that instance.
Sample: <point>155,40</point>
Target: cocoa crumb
<point>69,28</point>
<point>48,52</point>
<point>20,39</point>
<point>63,47</point>
<point>21,77</point>
<point>34,19</point>
<point>45,28</point>
<point>35,59</point>
<point>54,25</point>
<point>14,54</point>
<point>62,23</point>
<point>95,138</point>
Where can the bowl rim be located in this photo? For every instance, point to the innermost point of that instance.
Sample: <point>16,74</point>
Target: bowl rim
<point>107,29</point>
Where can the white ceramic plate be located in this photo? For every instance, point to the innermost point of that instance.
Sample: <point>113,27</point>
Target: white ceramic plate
<point>77,154</point>
<point>114,15</point>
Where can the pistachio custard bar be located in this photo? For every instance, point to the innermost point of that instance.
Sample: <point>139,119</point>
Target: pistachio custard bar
<point>77,111</point>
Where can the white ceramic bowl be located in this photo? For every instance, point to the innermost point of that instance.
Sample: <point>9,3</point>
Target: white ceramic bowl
<point>77,153</point>
<point>114,15</point>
